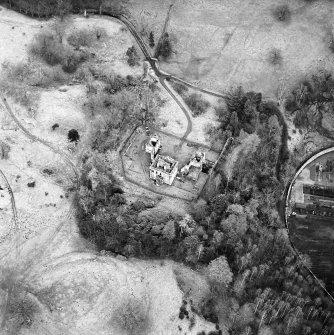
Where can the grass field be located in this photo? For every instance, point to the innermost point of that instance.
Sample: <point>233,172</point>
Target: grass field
<point>222,43</point>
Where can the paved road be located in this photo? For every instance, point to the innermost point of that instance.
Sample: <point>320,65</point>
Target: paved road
<point>155,66</point>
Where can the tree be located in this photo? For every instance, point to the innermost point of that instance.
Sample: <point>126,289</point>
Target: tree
<point>63,8</point>
<point>234,122</point>
<point>219,271</point>
<point>151,40</point>
<point>219,203</point>
<point>165,47</point>
<point>265,330</point>
<point>301,120</point>
<point>197,104</point>
<point>191,245</point>
<point>168,231</point>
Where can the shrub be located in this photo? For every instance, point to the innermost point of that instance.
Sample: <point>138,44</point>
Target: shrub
<point>275,57</point>
<point>81,38</point>
<point>196,103</point>
<point>282,13</point>
<point>50,76</point>
<point>133,57</point>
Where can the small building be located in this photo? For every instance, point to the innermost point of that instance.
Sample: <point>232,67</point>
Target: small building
<point>153,146</point>
<point>163,169</point>
<point>195,166</point>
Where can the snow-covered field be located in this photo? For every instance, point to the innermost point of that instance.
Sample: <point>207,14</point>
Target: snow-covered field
<point>77,290</point>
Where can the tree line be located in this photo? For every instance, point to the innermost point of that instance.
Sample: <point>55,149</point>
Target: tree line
<point>47,8</point>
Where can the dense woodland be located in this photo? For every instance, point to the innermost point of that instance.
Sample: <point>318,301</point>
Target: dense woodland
<point>258,284</point>
<point>266,285</point>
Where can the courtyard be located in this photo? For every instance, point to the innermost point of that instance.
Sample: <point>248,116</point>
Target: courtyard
<point>137,162</point>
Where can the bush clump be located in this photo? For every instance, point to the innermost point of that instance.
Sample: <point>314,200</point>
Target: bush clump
<point>197,104</point>
<point>81,38</point>
<point>282,13</point>
<point>48,47</point>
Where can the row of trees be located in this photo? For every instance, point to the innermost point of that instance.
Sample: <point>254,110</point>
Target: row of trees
<point>41,8</point>
<point>47,8</point>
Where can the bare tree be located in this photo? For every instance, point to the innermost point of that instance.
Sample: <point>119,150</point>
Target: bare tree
<point>63,8</point>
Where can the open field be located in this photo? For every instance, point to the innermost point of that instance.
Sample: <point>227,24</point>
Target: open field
<point>220,44</point>
<point>75,289</point>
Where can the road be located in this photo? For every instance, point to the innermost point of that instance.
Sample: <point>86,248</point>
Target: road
<point>162,76</point>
